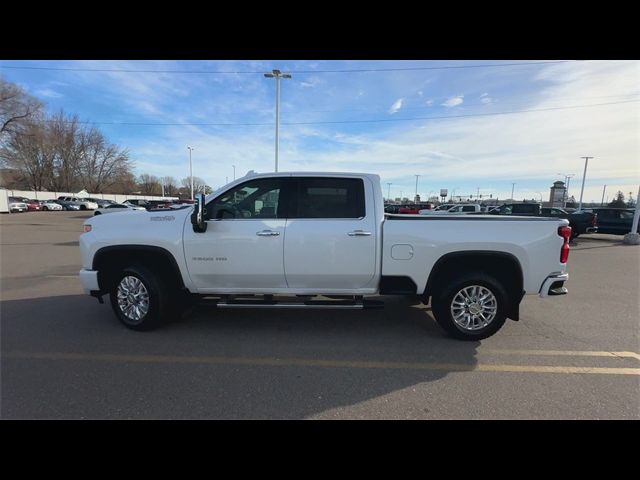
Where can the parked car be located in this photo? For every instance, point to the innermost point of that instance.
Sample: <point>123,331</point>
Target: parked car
<point>409,209</point>
<point>456,209</point>
<point>17,205</point>
<point>137,202</point>
<point>75,203</point>
<point>32,205</point>
<point>615,221</point>
<point>47,205</point>
<point>580,222</point>
<point>391,208</point>
<point>101,202</point>
<point>331,238</point>
<point>117,207</point>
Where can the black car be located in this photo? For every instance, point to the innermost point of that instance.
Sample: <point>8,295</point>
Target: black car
<point>580,222</point>
<point>616,221</point>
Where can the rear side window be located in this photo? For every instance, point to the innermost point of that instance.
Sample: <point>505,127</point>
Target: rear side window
<point>469,208</point>
<point>323,197</point>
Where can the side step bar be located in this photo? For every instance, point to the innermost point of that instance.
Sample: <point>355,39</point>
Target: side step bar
<point>359,304</point>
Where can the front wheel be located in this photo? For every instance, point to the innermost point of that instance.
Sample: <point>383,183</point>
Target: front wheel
<point>472,307</point>
<point>140,299</point>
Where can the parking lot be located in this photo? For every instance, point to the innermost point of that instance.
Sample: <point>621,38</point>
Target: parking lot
<point>64,356</point>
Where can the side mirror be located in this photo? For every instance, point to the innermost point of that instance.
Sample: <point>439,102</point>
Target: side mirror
<point>198,217</point>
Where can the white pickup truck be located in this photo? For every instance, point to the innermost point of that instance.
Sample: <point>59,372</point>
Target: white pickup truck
<point>281,240</point>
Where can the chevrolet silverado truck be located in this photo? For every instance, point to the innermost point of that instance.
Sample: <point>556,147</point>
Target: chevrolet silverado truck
<point>319,240</point>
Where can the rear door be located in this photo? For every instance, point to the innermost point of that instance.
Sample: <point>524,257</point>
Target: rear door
<point>330,240</point>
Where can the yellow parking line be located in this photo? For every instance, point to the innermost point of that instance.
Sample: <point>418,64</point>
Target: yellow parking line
<point>586,353</point>
<point>299,362</point>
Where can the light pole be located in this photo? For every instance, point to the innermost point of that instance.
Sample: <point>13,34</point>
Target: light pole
<point>415,199</point>
<point>191,170</point>
<point>603,190</point>
<point>388,191</point>
<point>234,172</point>
<point>513,186</point>
<point>567,179</point>
<point>277,74</point>
<point>584,176</point>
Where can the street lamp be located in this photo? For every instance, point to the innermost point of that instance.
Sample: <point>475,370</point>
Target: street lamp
<point>234,172</point>
<point>513,186</point>
<point>415,199</point>
<point>277,74</point>
<point>584,176</point>
<point>567,179</point>
<point>388,191</point>
<point>191,170</point>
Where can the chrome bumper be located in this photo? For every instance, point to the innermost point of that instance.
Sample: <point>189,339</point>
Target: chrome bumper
<point>554,285</point>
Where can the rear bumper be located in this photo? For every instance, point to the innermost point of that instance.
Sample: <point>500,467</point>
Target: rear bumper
<point>89,281</point>
<point>554,285</point>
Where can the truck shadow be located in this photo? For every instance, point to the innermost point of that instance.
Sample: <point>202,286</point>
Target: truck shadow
<point>329,360</point>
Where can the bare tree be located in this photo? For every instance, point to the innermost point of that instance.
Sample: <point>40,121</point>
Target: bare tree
<point>100,163</point>
<point>149,184</point>
<point>170,186</point>
<point>16,108</point>
<point>199,186</point>
<point>31,152</point>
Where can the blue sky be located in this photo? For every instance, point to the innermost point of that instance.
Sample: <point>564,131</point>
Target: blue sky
<point>397,137</point>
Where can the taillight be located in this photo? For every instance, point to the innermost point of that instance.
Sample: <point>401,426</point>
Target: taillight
<point>565,233</point>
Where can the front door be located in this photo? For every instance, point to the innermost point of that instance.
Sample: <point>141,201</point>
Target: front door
<point>242,249</point>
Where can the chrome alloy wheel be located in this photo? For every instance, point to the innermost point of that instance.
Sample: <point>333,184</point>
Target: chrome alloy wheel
<point>474,307</point>
<point>133,298</point>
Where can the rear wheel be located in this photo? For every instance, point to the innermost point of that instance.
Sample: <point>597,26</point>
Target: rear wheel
<point>471,307</point>
<point>141,300</point>
<point>45,208</point>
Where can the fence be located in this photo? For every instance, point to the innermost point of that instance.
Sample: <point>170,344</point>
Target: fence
<point>104,196</point>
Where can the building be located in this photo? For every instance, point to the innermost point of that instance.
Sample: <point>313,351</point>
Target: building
<point>558,194</point>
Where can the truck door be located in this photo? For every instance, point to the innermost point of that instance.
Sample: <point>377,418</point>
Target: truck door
<point>242,247</point>
<point>330,241</point>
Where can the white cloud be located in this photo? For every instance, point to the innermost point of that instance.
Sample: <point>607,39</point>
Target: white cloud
<point>47,93</point>
<point>453,101</point>
<point>429,103</point>
<point>311,82</point>
<point>397,105</point>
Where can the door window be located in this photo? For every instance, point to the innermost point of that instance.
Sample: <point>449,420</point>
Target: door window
<point>255,199</point>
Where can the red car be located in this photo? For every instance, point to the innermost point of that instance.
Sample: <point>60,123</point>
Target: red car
<point>32,205</point>
<point>411,209</point>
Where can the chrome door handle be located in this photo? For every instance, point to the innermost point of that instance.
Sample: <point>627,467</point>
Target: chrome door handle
<point>267,233</point>
<point>359,233</point>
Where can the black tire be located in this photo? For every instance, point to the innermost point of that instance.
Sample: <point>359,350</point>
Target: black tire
<point>82,207</point>
<point>96,213</point>
<point>443,298</point>
<point>45,208</point>
<point>161,308</point>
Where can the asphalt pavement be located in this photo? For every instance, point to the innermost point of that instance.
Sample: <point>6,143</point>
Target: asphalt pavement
<point>65,356</point>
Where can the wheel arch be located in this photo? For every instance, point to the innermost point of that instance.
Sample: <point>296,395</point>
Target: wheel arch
<point>108,261</point>
<point>504,266</point>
